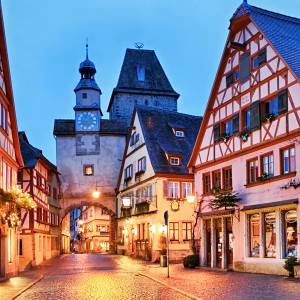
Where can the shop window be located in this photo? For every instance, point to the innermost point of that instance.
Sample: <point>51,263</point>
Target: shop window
<point>252,170</point>
<point>216,178</point>
<point>174,231</point>
<point>270,234</point>
<point>88,170</point>
<point>254,235</point>
<point>291,239</point>
<point>268,165</point>
<point>227,179</point>
<point>288,160</point>
<point>206,184</point>
<point>186,231</point>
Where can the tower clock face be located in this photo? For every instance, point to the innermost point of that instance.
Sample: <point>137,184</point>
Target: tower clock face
<point>87,120</point>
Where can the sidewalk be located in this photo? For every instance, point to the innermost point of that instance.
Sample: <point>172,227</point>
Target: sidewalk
<point>206,284</point>
<point>10,288</point>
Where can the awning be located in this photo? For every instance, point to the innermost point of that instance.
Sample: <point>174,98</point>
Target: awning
<point>270,204</point>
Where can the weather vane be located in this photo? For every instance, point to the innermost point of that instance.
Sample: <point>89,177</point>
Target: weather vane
<point>138,45</point>
<point>87,48</point>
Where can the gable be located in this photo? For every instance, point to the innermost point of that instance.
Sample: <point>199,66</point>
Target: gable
<point>230,97</point>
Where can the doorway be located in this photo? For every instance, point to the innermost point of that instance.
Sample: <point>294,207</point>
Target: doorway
<point>208,242</point>
<point>229,243</point>
<point>219,242</point>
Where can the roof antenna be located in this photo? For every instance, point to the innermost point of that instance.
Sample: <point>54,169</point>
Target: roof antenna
<point>138,45</point>
<point>87,48</point>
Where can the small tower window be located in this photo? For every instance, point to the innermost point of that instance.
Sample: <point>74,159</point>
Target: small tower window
<point>140,71</point>
<point>88,170</point>
<point>84,95</point>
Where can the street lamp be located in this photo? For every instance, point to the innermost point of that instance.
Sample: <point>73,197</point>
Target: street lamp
<point>96,194</point>
<point>126,202</point>
<point>191,198</point>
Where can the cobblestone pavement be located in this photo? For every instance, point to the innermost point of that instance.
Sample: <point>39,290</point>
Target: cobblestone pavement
<point>207,284</point>
<point>92,276</point>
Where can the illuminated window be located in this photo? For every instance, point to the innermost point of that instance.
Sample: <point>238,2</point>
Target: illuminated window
<point>186,189</point>
<point>175,161</point>
<point>252,169</point>
<point>288,160</point>
<point>173,190</point>
<point>270,235</point>
<point>291,239</point>
<point>254,235</point>
<point>88,170</point>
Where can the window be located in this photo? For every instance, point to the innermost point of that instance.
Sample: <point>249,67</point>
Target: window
<point>291,239</point>
<point>137,138</point>
<point>142,164</point>
<point>228,128</point>
<point>251,117</point>
<point>288,160</point>
<point>54,193</point>
<point>270,234</point>
<point>128,172</point>
<point>252,170</point>
<point>179,133</point>
<point>175,161</point>
<point>174,231</point>
<point>227,179</point>
<point>186,189</point>
<point>206,184</point>
<point>216,180</point>
<point>232,77</point>
<point>132,139</point>
<point>254,235</point>
<point>88,170</point>
<point>272,107</point>
<point>20,176</point>
<point>84,95</point>
<point>10,248</point>
<point>20,248</point>
<point>217,132</point>
<point>268,165</point>
<point>186,231</point>
<point>4,118</point>
<point>260,58</point>
<point>140,71</point>
<point>173,190</point>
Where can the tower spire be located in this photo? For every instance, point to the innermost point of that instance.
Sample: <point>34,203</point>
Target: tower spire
<point>87,48</point>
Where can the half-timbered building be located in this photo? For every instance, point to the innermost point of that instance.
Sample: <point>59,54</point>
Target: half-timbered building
<point>40,237</point>
<point>10,159</point>
<point>249,144</point>
<point>153,179</point>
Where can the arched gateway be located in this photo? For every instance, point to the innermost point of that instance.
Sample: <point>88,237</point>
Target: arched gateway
<point>89,150</point>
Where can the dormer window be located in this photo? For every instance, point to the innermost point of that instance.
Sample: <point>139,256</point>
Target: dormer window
<point>174,161</point>
<point>140,71</point>
<point>179,133</point>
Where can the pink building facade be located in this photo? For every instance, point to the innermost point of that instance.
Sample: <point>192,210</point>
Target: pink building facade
<point>249,143</point>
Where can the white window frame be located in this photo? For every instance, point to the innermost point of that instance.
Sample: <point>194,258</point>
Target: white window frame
<point>174,161</point>
<point>174,190</point>
<point>179,133</point>
<point>187,189</point>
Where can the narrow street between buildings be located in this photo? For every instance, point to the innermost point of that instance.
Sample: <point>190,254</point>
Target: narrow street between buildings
<point>95,276</point>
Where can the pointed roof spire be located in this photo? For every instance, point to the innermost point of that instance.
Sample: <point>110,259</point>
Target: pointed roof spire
<point>87,48</point>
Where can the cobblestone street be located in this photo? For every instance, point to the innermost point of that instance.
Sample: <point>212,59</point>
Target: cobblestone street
<point>92,276</point>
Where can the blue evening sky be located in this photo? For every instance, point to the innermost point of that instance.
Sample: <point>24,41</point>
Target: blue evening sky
<point>46,44</point>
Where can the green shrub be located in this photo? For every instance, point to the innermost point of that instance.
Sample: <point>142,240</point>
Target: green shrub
<point>289,264</point>
<point>191,261</point>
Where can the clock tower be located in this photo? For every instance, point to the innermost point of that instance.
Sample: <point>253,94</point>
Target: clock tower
<point>87,109</point>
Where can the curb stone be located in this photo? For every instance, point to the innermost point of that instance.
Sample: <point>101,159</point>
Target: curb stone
<point>170,287</point>
<point>27,287</point>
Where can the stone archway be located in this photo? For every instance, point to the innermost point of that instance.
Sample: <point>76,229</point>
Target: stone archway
<point>68,204</point>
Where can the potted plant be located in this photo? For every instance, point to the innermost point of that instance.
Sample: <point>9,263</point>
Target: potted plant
<point>224,137</point>
<point>263,177</point>
<point>268,118</point>
<point>191,261</point>
<point>289,264</point>
<point>244,135</point>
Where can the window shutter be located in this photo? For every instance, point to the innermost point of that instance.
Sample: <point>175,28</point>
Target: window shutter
<point>244,67</point>
<point>255,115</point>
<point>235,123</point>
<point>166,189</point>
<point>216,132</point>
<point>283,102</point>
